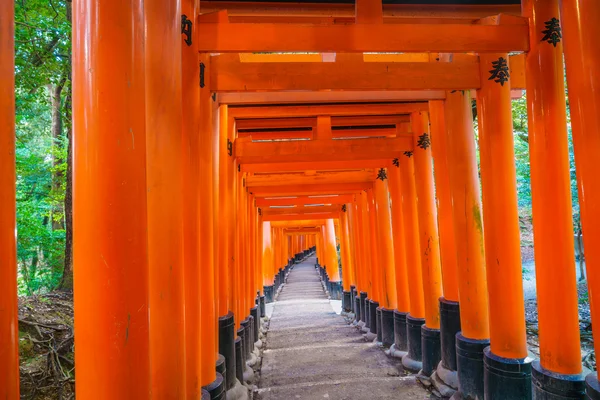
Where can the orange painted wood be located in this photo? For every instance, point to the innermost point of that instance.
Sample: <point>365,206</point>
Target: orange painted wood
<point>190,75</point>
<point>399,239</point>
<point>224,212</point>
<point>248,152</point>
<point>309,190</point>
<point>9,338</point>
<point>334,110</point>
<point>551,197</point>
<point>317,165</point>
<point>302,217</point>
<point>368,11</point>
<point>385,247</point>
<point>289,179</point>
<point>411,236</point>
<point>300,210</point>
<point>268,123</point>
<point>303,200</point>
<point>468,223</point>
<point>449,38</point>
<point>377,288</point>
<point>300,231</point>
<point>581,56</point>
<point>298,224</point>
<point>445,220</point>
<point>163,42</point>
<point>427,216</point>
<point>267,255</point>
<point>331,257</point>
<point>501,216</point>
<point>364,238</point>
<point>230,75</point>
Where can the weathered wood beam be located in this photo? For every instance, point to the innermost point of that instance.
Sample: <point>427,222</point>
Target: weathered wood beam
<point>355,38</point>
<point>309,178</point>
<point>304,200</point>
<point>248,152</point>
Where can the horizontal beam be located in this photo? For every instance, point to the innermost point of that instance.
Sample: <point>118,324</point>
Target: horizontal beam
<point>228,74</point>
<point>345,133</point>
<point>333,110</point>
<point>304,217</point>
<point>301,231</point>
<point>314,223</point>
<point>248,152</point>
<point>310,122</point>
<point>265,180</point>
<point>310,190</point>
<point>303,200</point>
<point>355,38</point>
<point>316,165</point>
<point>300,210</point>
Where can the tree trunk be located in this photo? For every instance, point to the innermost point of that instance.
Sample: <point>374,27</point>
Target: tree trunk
<point>67,278</point>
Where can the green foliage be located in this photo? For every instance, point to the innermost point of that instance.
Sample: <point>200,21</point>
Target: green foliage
<point>42,61</point>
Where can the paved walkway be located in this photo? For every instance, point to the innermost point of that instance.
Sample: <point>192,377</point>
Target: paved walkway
<point>312,353</point>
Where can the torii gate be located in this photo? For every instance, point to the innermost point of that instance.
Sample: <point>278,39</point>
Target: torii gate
<point>132,166</point>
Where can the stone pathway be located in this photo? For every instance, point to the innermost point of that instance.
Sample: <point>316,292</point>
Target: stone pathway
<point>312,353</point>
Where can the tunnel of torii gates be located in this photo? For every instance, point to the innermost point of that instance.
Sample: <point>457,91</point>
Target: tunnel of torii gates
<point>216,144</point>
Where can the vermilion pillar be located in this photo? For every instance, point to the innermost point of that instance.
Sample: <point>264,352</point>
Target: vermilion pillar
<point>346,261</point>
<point>9,345</point>
<point>578,19</point>
<point>468,225</point>
<point>267,261</point>
<point>109,192</point>
<point>190,170</point>
<point>335,289</point>
<point>164,180</point>
<point>551,199</point>
<point>416,318</point>
<point>449,306</point>
<point>429,241</point>
<point>502,241</point>
<point>388,301</point>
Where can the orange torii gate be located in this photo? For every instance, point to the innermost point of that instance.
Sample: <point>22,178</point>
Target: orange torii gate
<point>147,197</point>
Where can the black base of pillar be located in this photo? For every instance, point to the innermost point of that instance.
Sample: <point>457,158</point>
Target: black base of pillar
<point>378,325</point>
<point>400,333</point>
<point>363,307</point>
<point>347,301</point>
<point>205,395</point>
<point>413,360</point>
<point>227,347</point>
<point>255,314</point>
<point>357,315</point>
<point>269,293</point>
<point>263,311</point>
<point>367,313</point>
<point>548,385</point>
<point>352,296</point>
<point>431,350</point>
<point>387,327</point>
<point>222,369</point>
<point>449,327</point>
<point>592,387</point>
<point>239,357</point>
<point>335,291</point>
<point>247,336</point>
<point>373,316</point>
<point>216,388</point>
<point>506,378</point>
<point>469,364</point>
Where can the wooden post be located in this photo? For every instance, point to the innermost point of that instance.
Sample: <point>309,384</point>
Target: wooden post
<point>581,56</point>
<point>429,241</point>
<point>551,200</point>
<point>468,224</point>
<point>502,238</point>
<point>9,338</point>
<point>416,318</point>
<point>209,318</point>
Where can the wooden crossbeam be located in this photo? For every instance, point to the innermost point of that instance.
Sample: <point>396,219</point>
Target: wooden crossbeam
<point>300,210</point>
<point>248,152</point>
<point>304,200</point>
<point>333,110</point>
<point>446,38</point>
<point>316,165</point>
<point>310,190</point>
<point>301,231</point>
<point>303,217</point>
<point>333,177</point>
<point>310,122</point>
<point>310,223</point>
<point>228,74</point>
